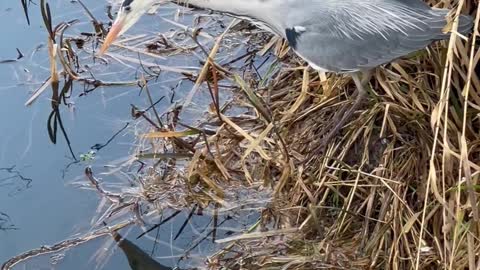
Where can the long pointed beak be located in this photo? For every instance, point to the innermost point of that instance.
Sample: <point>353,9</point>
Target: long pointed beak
<point>111,36</point>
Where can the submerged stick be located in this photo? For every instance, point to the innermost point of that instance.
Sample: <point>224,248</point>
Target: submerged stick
<point>68,243</point>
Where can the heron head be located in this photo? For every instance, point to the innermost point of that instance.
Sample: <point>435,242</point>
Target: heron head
<point>129,13</point>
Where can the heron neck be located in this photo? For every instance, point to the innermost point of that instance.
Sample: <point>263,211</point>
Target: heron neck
<point>254,9</point>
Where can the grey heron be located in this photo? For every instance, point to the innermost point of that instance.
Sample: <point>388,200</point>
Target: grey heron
<point>341,36</point>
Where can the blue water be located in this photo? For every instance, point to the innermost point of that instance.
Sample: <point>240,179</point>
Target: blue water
<point>47,209</point>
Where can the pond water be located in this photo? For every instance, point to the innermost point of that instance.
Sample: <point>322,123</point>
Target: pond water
<point>41,199</point>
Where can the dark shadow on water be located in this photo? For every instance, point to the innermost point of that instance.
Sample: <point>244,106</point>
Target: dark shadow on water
<point>6,223</point>
<point>137,258</point>
<point>11,176</point>
<point>54,119</point>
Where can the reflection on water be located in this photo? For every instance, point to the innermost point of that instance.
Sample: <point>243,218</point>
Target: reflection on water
<point>137,258</point>
<point>11,176</point>
<point>5,222</point>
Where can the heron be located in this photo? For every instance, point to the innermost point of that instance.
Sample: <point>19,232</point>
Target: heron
<point>340,36</point>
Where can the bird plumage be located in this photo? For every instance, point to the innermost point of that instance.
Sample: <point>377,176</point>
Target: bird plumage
<point>352,35</point>
<point>345,35</point>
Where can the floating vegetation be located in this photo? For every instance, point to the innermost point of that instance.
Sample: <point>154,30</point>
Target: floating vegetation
<point>398,188</point>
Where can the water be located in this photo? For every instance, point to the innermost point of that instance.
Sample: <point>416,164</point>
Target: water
<point>47,209</point>
<point>42,191</point>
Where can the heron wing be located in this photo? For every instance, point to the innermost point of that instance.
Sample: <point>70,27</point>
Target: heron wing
<point>351,35</point>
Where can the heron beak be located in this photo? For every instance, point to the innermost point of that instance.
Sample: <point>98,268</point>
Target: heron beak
<point>128,14</point>
<point>112,35</point>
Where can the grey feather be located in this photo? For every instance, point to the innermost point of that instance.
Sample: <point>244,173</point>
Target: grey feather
<point>352,35</point>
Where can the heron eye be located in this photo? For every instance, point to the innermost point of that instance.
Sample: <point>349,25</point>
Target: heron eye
<point>127,8</point>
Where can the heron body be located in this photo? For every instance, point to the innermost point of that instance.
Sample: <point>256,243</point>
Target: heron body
<point>341,36</point>
<point>333,35</point>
